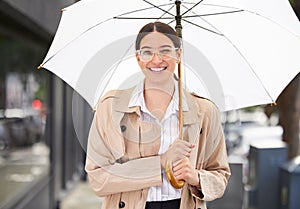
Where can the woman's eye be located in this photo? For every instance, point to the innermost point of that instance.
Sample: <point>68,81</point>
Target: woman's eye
<point>147,52</point>
<point>165,51</point>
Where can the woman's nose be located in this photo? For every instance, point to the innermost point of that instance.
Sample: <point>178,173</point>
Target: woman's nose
<point>156,58</point>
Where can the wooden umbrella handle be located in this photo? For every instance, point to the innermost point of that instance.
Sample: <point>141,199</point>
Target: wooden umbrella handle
<point>169,171</point>
<point>180,112</point>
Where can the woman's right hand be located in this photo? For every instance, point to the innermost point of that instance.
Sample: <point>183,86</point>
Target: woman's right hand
<point>177,151</point>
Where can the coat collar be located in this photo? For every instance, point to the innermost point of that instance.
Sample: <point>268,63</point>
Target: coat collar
<point>138,95</point>
<point>122,98</point>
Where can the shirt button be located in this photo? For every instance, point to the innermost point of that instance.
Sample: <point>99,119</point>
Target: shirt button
<point>121,204</point>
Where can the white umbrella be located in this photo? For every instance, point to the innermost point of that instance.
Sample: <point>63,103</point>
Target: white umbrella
<point>238,53</point>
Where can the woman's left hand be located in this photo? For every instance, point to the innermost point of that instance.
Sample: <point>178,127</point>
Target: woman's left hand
<point>183,170</point>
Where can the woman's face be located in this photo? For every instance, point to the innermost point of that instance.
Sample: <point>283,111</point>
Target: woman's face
<point>157,57</point>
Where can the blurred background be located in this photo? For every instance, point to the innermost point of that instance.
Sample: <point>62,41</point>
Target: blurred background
<point>42,156</point>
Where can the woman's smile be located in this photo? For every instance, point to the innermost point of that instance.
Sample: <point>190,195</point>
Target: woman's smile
<point>157,69</point>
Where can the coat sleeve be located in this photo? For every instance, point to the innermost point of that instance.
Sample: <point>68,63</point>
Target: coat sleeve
<point>214,170</point>
<point>107,174</point>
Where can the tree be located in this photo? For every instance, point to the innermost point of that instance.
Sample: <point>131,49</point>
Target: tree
<point>289,108</point>
<point>289,115</point>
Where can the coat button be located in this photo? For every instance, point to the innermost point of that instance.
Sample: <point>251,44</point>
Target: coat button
<point>123,128</point>
<point>121,204</point>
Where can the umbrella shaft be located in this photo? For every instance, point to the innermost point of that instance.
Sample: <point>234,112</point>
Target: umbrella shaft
<point>180,112</point>
<point>178,26</point>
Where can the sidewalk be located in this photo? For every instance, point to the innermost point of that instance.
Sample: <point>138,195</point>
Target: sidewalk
<point>80,197</point>
<point>21,170</point>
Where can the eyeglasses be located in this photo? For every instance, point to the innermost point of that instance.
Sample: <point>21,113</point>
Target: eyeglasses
<point>165,53</point>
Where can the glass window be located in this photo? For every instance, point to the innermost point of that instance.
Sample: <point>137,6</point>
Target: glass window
<point>24,154</point>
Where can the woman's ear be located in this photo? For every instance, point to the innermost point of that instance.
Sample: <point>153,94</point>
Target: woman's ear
<point>137,56</point>
<point>138,59</point>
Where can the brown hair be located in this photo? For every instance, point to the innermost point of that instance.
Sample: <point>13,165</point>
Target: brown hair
<point>159,27</point>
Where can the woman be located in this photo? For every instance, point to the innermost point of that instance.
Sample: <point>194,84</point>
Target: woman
<point>135,132</point>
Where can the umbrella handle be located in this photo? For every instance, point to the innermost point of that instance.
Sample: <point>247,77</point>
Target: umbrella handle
<point>169,172</point>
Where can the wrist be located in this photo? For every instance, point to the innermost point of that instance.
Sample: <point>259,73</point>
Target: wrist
<point>196,182</point>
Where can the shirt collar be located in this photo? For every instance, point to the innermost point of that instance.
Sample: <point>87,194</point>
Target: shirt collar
<point>137,98</point>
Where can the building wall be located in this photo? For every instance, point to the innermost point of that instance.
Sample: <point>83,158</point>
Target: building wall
<point>27,28</point>
<point>46,14</point>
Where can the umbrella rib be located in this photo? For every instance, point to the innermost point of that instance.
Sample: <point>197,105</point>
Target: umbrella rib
<point>143,18</point>
<point>166,12</point>
<point>161,17</point>
<point>202,27</point>
<point>139,10</point>
<point>191,7</point>
<point>115,68</point>
<point>170,22</point>
<point>235,49</point>
<point>220,13</point>
<point>218,32</point>
<point>253,71</point>
<point>150,18</point>
<point>222,6</point>
<point>200,16</point>
<point>254,13</point>
<point>74,40</point>
<point>106,21</point>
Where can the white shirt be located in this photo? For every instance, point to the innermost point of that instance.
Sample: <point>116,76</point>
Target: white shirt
<point>169,132</point>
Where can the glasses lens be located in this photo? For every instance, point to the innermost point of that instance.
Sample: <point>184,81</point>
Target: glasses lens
<point>165,53</point>
<point>146,54</point>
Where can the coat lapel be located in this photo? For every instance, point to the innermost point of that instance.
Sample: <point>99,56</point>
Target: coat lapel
<point>193,120</point>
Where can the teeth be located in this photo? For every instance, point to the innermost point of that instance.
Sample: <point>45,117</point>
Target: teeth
<point>157,69</point>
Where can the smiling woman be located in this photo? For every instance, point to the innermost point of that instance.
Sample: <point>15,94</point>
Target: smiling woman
<point>135,133</point>
<point>157,56</point>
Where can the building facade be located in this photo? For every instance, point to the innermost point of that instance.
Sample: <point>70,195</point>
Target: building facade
<point>41,146</point>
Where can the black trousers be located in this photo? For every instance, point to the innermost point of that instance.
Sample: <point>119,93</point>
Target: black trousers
<point>170,204</point>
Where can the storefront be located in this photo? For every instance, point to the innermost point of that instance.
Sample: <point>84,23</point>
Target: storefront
<point>40,156</point>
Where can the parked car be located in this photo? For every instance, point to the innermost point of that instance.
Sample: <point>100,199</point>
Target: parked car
<point>18,128</point>
<point>243,128</point>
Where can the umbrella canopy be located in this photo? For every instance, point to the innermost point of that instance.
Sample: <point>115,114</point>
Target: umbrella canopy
<point>237,53</point>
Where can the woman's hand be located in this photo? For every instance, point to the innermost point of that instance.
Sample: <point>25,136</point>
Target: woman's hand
<point>183,170</point>
<point>179,150</point>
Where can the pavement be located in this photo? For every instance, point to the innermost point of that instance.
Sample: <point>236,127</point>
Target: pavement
<point>81,196</point>
<point>22,167</point>
<point>20,170</point>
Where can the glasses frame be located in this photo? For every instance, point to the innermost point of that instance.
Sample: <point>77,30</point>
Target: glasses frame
<point>157,53</point>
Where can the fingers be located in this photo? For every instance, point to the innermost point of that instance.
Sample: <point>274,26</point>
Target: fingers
<point>183,170</point>
<point>181,149</point>
<point>177,151</point>
<point>181,163</point>
<point>183,143</point>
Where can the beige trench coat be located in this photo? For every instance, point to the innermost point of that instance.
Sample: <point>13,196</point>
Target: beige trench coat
<point>122,160</point>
